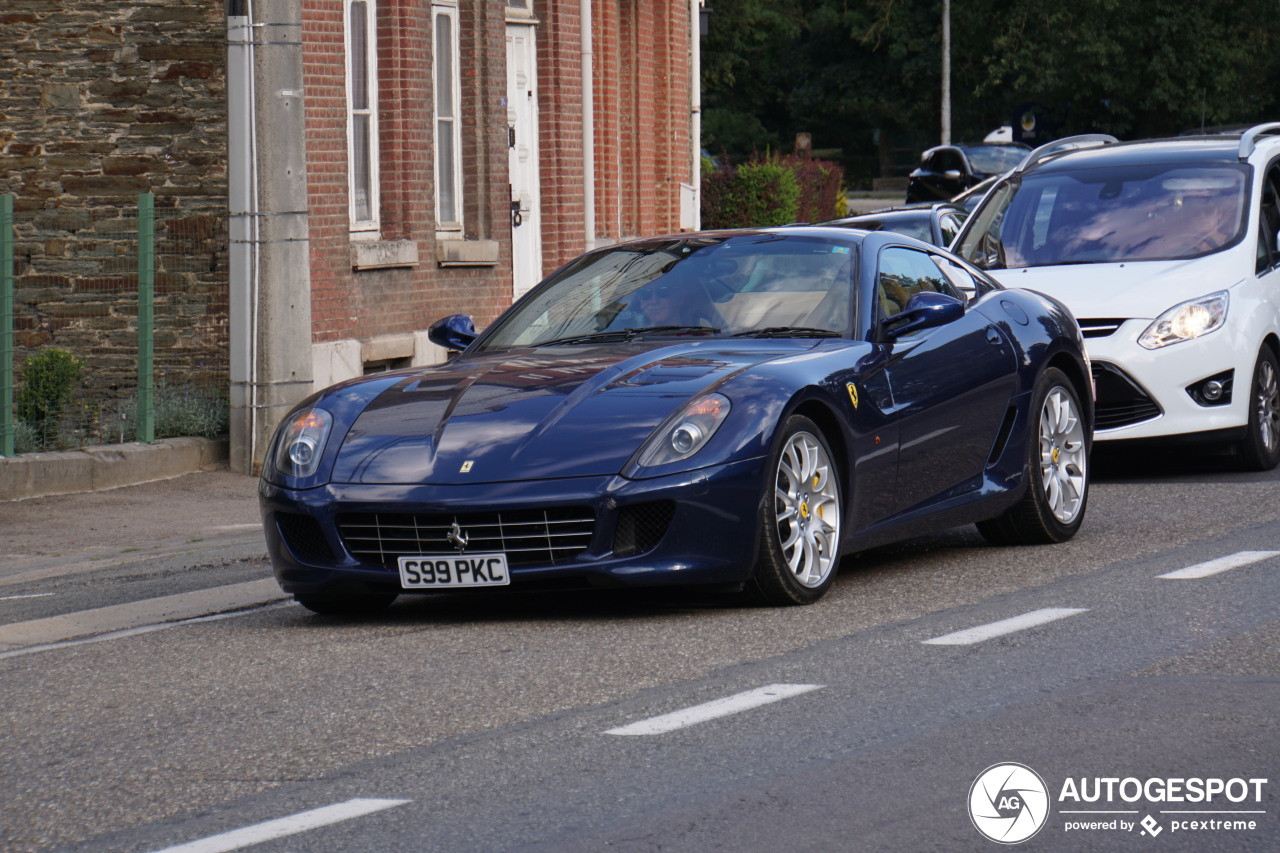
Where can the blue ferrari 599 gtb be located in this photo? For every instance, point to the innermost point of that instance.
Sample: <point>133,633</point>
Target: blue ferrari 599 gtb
<point>732,408</point>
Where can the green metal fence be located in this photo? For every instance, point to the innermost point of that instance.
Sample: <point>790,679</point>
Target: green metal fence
<point>113,325</point>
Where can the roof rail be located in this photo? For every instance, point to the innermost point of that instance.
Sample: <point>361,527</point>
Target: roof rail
<point>1058,146</point>
<point>1249,139</point>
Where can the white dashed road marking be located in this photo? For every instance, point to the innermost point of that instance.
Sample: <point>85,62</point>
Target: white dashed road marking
<point>1005,626</point>
<point>714,709</point>
<point>285,826</point>
<point>1222,564</point>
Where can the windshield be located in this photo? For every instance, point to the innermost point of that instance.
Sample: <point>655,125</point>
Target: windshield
<point>992,159</point>
<point>768,284</point>
<point>1126,213</point>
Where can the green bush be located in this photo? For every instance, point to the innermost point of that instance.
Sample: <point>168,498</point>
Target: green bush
<point>772,191</point>
<point>179,411</point>
<point>49,379</point>
<point>190,412</point>
<point>25,438</point>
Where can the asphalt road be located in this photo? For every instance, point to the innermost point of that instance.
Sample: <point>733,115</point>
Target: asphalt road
<point>501,723</point>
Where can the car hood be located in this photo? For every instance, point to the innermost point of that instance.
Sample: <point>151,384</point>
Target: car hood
<point>534,413</point>
<point>1131,290</point>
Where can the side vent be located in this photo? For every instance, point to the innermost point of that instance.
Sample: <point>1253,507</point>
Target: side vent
<point>1002,437</point>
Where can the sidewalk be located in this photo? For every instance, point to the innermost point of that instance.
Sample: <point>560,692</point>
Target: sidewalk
<point>76,511</point>
<point>183,526</point>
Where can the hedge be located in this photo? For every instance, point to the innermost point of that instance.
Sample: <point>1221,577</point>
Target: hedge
<point>772,191</point>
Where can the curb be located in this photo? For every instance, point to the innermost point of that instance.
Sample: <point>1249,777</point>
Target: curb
<point>110,466</point>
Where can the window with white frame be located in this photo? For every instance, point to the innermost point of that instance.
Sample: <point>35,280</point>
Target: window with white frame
<point>448,95</point>
<point>362,114</point>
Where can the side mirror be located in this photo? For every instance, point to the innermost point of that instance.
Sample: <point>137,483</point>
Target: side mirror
<point>925,310</point>
<point>455,332</point>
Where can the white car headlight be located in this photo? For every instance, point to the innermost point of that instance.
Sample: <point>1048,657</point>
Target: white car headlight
<point>1186,321</point>
<point>685,435</point>
<point>302,443</point>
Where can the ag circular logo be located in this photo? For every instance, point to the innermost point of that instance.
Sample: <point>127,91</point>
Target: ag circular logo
<point>1008,803</point>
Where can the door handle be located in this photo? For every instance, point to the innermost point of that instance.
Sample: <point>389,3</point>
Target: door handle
<point>993,336</point>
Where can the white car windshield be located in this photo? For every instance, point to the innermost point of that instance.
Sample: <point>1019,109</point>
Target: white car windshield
<point>1129,213</point>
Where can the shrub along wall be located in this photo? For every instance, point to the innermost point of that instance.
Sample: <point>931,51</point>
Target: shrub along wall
<point>772,191</point>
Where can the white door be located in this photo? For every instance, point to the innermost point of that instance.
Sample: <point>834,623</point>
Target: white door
<point>522,157</point>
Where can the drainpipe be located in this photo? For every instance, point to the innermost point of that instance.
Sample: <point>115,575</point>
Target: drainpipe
<point>267,194</point>
<point>588,126</point>
<point>242,202</point>
<point>695,107</point>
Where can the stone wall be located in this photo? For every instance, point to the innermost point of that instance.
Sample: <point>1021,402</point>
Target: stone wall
<point>101,100</point>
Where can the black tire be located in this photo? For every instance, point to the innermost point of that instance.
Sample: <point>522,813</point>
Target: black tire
<point>799,519</point>
<point>346,604</point>
<point>1259,450</point>
<point>1056,470</point>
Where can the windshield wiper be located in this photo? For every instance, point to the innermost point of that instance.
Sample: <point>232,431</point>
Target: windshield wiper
<point>788,332</point>
<point>628,334</point>
<point>674,330</point>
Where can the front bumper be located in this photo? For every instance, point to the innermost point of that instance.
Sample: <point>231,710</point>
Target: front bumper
<point>1144,393</point>
<point>708,536</point>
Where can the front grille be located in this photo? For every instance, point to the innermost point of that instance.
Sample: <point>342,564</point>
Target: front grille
<point>529,537</point>
<point>303,536</point>
<point>1121,400</point>
<point>641,527</point>
<point>1099,328</point>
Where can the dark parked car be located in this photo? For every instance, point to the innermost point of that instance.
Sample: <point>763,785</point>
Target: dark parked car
<point>733,408</point>
<point>948,170</point>
<point>934,223</point>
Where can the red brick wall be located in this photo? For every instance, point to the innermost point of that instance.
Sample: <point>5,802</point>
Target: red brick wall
<point>641,70</point>
<point>640,65</point>
<point>367,303</point>
<point>560,132</point>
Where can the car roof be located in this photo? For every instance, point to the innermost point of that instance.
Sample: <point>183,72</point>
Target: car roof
<point>1185,149</point>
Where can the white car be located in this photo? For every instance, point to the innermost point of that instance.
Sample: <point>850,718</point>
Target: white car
<point>1166,252</point>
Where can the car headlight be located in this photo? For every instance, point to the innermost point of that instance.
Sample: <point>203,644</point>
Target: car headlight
<point>302,442</point>
<point>683,436</point>
<point>1186,321</point>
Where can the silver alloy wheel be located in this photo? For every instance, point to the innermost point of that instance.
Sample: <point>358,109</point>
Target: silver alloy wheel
<point>1063,455</point>
<point>807,509</point>
<point>1268,405</point>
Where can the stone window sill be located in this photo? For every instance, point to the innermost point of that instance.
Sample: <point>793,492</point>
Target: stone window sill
<point>467,253</point>
<point>383,254</point>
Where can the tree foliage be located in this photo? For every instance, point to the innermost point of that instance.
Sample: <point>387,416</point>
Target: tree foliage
<point>853,71</point>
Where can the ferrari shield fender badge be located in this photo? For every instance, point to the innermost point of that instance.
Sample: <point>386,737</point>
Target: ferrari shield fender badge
<point>853,393</point>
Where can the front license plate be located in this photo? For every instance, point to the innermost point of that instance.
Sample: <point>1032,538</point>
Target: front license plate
<point>438,571</point>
